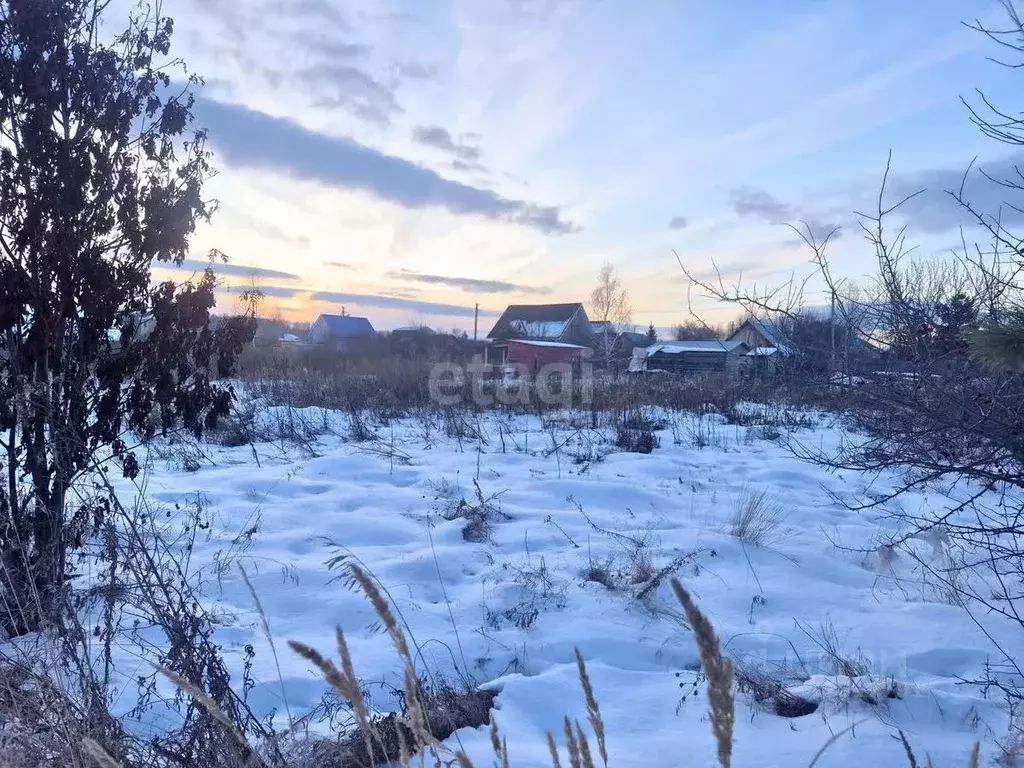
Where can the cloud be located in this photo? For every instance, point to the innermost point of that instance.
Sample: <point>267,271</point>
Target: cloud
<point>467,283</point>
<point>678,222</point>
<point>391,302</point>
<point>439,138</point>
<point>760,204</point>
<point>319,11</point>
<point>247,138</point>
<point>318,44</point>
<point>275,291</point>
<point>349,87</point>
<point>236,270</point>
<point>818,230</point>
<point>415,71</point>
<point>468,167</point>
<point>734,270</point>
<point>339,264</point>
<point>936,211</point>
<point>266,229</point>
<point>259,39</point>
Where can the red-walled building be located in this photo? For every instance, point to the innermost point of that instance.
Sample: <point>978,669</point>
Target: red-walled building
<point>535,335</point>
<point>534,355</point>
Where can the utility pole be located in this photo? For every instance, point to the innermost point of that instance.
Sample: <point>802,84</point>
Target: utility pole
<point>476,317</point>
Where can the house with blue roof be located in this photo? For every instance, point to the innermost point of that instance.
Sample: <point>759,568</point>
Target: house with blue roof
<point>340,331</point>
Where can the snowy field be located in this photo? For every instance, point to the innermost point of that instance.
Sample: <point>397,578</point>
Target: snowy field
<point>576,534</point>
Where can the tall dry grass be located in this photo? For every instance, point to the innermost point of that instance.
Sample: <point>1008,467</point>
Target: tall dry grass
<point>758,518</point>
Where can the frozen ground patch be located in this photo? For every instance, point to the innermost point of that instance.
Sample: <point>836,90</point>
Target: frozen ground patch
<point>505,552</point>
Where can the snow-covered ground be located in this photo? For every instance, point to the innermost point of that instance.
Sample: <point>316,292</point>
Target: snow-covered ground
<point>507,607</point>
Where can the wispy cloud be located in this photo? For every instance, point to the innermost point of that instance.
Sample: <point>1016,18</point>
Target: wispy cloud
<point>678,222</point>
<point>417,71</point>
<point>275,291</point>
<point>735,270</point>
<point>339,264</point>
<point>439,138</point>
<point>321,12</point>
<point>253,139</point>
<point>467,283</point>
<point>760,204</point>
<point>341,84</point>
<point>266,229</point>
<point>231,268</point>
<point>304,48</point>
<point>391,302</point>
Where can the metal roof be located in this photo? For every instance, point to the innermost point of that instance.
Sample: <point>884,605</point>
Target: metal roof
<point>534,320</point>
<point>677,347</point>
<point>347,325</point>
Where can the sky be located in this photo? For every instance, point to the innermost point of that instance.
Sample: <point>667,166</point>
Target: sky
<point>407,160</point>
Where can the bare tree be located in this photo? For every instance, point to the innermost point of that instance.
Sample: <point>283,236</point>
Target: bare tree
<point>609,304</point>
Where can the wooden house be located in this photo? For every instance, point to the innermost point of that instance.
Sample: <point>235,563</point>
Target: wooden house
<point>763,337</point>
<point>538,334</point>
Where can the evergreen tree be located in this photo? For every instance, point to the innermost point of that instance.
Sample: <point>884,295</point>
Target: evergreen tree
<point>1002,344</point>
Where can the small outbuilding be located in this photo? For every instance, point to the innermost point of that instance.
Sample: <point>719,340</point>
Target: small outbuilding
<point>690,357</point>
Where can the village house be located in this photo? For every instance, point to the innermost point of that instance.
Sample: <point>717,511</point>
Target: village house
<point>341,332</point>
<point>535,335</point>
<point>764,338</point>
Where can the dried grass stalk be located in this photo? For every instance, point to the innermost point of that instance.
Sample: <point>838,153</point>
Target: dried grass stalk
<point>719,672</point>
<point>585,756</point>
<point>383,610</point>
<point>906,748</point>
<point>572,746</point>
<point>553,749</point>
<point>354,694</point>
<point>593,709</point>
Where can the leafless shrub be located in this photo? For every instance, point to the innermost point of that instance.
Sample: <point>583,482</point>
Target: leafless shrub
<point>769,692</point>
<point>387,449</point>
<point>480,513</point>
<point>635,431</point>
<point>535,590</point>
<point>239,428</point>
<point>40,723</point>
<point>1011,746</point>
<point>826,638</point>
<point>359,429</point>
<point>144,593</point>
<point>180,452</point>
